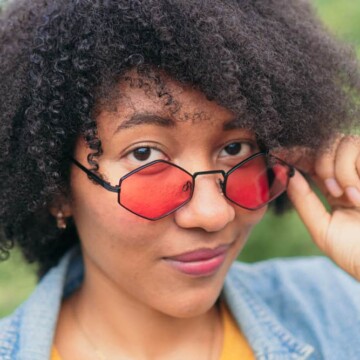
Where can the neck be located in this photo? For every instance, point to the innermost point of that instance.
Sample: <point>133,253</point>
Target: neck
<point>116,323</point>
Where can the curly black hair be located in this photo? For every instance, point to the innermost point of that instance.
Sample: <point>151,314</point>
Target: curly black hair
<point>269,61</point>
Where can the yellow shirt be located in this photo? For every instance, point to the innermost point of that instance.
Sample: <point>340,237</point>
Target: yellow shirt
<point>235,345</point>
<point>54,354</point>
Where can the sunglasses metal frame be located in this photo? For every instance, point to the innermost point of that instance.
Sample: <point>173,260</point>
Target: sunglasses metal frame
<point>117,188</point>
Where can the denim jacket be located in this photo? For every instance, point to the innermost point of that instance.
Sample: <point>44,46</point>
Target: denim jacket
<point>303,308</point>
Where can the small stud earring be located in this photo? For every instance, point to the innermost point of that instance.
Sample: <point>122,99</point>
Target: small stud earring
<point>60,220</point>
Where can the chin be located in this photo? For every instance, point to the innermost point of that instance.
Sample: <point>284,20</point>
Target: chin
<point>194,302</point>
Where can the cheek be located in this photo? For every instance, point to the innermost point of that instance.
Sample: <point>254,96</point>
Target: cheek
<point>245,222</point>
<point>113,240</point>
<point>116,242</point>
<point>256,216</point>
<point>98,216</point>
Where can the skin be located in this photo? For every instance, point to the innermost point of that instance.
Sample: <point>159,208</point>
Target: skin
<point>127,281</point>
<point>336,173</point>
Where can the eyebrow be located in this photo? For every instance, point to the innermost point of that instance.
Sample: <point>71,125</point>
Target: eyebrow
<point>231,125</point>
<point>152,119</point>
<point>147,119</point>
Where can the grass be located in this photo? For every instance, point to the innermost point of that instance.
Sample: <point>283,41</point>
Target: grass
<point>274,237</point>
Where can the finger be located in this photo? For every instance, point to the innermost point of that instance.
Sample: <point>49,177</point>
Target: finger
<point>326,232</point>
<point>310,209</point>
<point>325,169</point>
<point>346,167</point>
<point>358,164</point>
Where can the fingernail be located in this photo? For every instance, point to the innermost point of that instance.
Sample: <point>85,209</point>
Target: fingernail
<point>353,194</point>
<point>333,187</point>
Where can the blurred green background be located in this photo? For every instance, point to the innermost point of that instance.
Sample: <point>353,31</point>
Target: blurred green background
<point>274,237</point>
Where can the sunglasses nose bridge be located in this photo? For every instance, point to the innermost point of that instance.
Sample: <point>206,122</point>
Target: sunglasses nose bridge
<point>220,181</point>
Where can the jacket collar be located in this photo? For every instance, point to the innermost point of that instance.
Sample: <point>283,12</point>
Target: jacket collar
<point>268,338</point>
<point>40,312</point>
<point>36,319</point>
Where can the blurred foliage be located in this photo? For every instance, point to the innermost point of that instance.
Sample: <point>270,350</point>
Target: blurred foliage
<point>17,280</point>
<point>278,236</point>
<point>275,236</point>
<point>342,18</point>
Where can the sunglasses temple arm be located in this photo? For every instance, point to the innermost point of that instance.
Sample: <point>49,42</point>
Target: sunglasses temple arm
<point>292,171</point>
<point>292,168</point>
<point>96,178</point>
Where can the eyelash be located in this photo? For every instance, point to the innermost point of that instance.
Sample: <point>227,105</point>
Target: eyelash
<point>144,146</point>
<point>251,146</point>
<point>152,147</point>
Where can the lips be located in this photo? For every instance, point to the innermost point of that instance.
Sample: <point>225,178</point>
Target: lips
<point>201,262</point>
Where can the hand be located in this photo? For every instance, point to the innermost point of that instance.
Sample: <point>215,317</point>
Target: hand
<point>337,174</point>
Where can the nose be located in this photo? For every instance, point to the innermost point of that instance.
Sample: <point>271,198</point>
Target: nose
<point>208,209</point>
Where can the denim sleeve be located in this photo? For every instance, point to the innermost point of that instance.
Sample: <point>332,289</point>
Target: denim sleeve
<point>317,301</point>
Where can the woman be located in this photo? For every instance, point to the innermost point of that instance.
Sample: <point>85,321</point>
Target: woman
<point>141,142</point>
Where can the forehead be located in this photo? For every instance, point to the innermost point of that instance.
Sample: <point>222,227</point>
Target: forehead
<point>162,101</point>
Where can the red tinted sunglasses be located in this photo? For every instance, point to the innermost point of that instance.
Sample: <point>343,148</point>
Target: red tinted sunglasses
<point>159,188</point>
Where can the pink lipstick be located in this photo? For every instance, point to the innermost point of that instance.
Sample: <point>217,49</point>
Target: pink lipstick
<point>201,262</point>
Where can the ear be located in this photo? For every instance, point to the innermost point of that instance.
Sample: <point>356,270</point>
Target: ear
<point>61,203</point>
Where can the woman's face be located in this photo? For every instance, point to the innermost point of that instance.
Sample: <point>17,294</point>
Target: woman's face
<point>175,265</point>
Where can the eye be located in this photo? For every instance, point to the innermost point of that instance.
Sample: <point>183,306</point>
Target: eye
<point>142,154</point>
<point>145,154</point>
<point>240,149</point>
